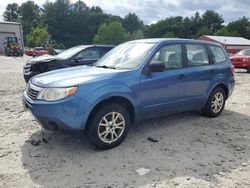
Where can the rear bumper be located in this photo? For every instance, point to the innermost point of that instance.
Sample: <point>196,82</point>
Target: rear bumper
<point>65,114</point>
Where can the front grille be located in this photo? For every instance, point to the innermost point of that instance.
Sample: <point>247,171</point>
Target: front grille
<point>33,91</point>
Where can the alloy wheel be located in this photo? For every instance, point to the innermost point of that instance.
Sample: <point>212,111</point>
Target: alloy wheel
<point>217,102</point>
<point>111,127</point>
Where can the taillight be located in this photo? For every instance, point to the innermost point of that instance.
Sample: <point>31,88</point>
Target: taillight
<point>232,69</point>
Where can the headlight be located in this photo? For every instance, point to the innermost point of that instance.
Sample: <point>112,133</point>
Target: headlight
<point>52,94</point>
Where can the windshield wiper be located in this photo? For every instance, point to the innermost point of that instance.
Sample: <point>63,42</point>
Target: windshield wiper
<point>105,66</point>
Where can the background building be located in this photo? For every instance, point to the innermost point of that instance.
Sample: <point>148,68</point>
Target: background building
<point>231,44</point>
<point>10,29</point>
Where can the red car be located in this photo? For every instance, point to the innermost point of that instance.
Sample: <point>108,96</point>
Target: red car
<point>242,60</point>
<point>37,51</point>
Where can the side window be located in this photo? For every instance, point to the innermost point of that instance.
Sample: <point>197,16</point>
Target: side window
<point>197,55</point>
<point>219,56</point>
<point>104,51</point>
<point>170,55</point>
<point>247,52</point>
<point>90,54</point>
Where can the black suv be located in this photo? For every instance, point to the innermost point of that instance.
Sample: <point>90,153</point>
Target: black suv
<point>78,55</point>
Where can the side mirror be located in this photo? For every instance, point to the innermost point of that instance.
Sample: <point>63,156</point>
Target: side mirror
<point>157,67</point>
<point>77,59</point>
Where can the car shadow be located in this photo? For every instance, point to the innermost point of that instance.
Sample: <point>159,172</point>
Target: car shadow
<point>187,145</point>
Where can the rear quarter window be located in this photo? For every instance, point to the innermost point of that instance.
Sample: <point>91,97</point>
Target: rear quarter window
<point>218,54</point>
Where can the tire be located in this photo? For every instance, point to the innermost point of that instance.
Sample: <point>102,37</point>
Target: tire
<point>215,103</point>
<point>100,131</point>
<point>248,69</point>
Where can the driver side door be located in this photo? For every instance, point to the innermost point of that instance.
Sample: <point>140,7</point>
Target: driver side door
<point>164,92</point>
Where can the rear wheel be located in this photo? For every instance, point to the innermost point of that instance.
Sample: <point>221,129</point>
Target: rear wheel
<point>108,126</point>
<point>248,69</point>
<point>215,103</point>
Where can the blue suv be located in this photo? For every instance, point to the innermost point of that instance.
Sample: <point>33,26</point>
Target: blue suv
<point>136,80</point>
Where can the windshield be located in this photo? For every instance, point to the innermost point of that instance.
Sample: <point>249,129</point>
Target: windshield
<point>69,52</point>
<point>244,52</point>
<point>125,56</point>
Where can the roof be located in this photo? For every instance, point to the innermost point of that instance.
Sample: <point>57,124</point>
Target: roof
<point>173,40</point>
<point>230,40</point>
<point>11,23</point>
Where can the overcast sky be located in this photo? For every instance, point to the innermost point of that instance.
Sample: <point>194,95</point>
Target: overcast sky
<point>151,11</point>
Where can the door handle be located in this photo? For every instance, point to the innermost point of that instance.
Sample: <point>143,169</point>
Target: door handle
<point>181,76</point>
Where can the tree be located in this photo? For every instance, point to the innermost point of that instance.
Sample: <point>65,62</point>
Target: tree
<point>112,33</point>
<point>212,20</point>
<point>240,26</point>
<point>203,31</point>
<point>37,36</point>
<point>224,32</point>
<point>11,13</point>
<point>132,23</point>
<point>137,35</point>
<point>29,15</point>
<point>169,35</point>
<point>171,24</point>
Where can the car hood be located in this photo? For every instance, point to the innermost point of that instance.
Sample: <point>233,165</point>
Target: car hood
<point>73,76</point>
<point>42,59</point>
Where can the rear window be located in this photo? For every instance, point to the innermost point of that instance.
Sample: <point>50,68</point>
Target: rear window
<point>218,53</point>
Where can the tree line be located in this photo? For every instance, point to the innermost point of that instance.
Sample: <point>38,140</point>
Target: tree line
<point>68,24</point>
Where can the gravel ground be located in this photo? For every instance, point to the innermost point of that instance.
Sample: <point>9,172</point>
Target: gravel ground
<point>192,151</point>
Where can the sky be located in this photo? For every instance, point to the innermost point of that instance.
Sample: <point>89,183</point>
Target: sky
<point>151,11</point>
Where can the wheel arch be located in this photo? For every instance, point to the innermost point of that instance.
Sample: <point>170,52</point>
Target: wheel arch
<point>123,101</point>
<point>219,84</point>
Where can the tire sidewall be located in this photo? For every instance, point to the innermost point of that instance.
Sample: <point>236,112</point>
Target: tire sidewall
<point>92,128</point>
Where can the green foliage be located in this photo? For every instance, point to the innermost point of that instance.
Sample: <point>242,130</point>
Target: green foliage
<point>11,13</point>
<point>71,24</point>
<point>224,32</point>
<point>132,23</point>
<point>240,26</point>
<point>112,33</point>
<point>169,35</point>
<point>203,31</point>
<point>171,24</point>
<point>136,35</point>
<point>37,36</point>
<point>212,20</point>
<point>29,16</point>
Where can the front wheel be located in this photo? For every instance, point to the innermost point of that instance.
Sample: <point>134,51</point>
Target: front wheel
<point>108,126</point>
<point>215,103</point>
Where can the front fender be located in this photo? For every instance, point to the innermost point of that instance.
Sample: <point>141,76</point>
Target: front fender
<point>106,92</point>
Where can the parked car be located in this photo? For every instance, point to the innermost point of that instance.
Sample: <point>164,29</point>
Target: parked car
<point>78,55</point>
<point>136,80</point>
<point>241,60</point>
<point>37,51</point>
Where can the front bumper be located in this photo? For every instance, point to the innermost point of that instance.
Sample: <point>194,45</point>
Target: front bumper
<point>28,73</point>
<point>65,114</point>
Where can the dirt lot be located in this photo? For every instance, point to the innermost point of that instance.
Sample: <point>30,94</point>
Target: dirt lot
<point>193,151</point>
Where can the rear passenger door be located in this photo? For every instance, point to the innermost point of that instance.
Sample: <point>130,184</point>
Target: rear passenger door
<point>199,73</point>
